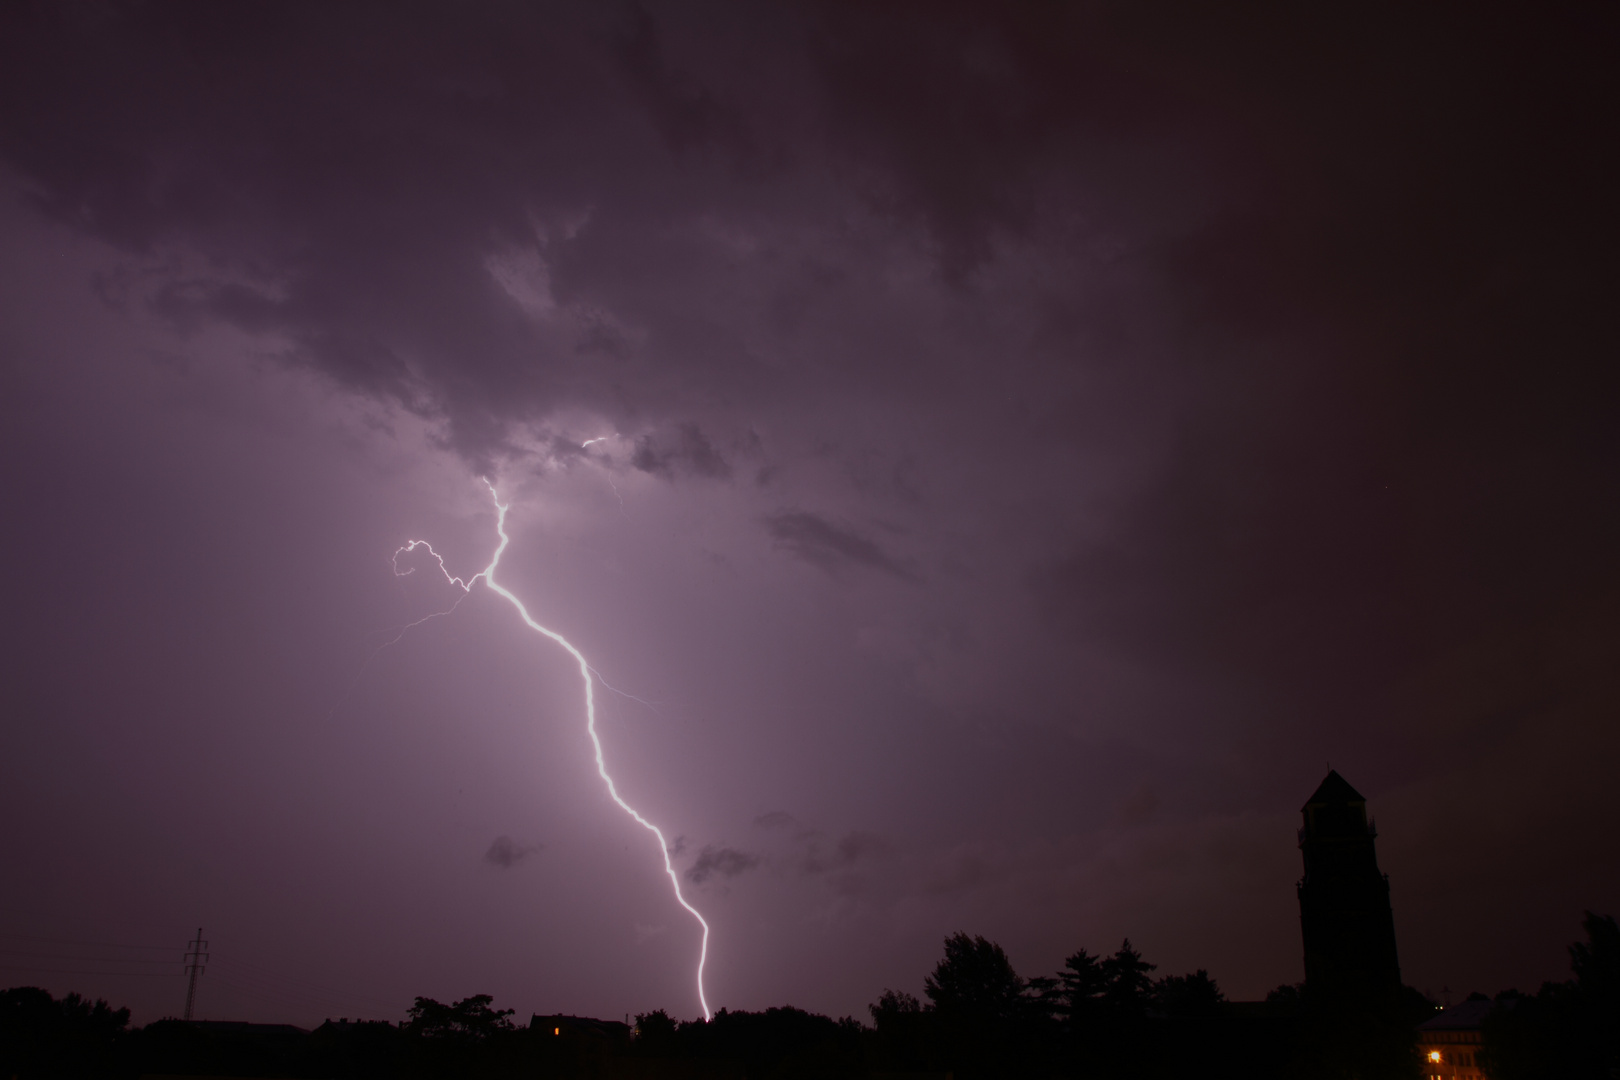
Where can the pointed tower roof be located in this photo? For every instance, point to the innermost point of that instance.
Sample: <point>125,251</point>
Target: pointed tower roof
<point>1334,791</point>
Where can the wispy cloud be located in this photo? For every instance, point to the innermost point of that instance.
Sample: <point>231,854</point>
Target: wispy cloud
<point>507,853</point>
<point>831,547</point>
<point>775,819</point>
<point>726,862</point>
<point>687,449</point>
<point>851,848</point>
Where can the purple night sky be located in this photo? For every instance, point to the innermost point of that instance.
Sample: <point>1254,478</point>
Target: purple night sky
<point>1035,441</point>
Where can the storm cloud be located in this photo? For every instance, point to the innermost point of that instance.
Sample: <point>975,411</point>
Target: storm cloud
<point>688,448</point>
<point>722,861</point>
<point>1039,435</point>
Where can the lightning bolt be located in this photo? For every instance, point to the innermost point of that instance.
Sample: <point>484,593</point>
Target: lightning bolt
<point>588,676</point>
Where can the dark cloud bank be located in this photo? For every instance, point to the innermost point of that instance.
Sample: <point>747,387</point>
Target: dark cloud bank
<point>1227,387</point>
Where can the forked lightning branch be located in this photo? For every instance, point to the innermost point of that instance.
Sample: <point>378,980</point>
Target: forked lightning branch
<point>587,676</point>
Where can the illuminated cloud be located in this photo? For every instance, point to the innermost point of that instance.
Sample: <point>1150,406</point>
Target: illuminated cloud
<point>1164,400</point>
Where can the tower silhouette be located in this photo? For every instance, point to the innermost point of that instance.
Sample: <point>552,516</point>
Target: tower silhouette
<point>1344,912</point>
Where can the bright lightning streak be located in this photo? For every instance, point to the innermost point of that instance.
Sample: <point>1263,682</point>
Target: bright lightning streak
<point>586,674</point>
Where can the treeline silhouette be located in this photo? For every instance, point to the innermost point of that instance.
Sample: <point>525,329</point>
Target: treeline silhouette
<point>1103,1017</point>
<point>1567,1029</point>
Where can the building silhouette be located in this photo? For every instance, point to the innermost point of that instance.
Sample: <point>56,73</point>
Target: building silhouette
<point>581,1029</point>
<point>1344,912</point>
<point>1451,1042</point>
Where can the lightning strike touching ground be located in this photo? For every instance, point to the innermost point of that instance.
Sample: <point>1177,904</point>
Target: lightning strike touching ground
<point>587,675</point>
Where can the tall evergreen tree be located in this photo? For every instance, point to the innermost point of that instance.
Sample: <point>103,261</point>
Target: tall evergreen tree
<point>1128,988</point>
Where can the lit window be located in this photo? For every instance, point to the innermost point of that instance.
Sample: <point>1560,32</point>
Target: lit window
<point>558,1031</point>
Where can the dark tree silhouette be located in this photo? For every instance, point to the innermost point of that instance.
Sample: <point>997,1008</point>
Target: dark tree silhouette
<point>1081,985</point>
<point>985,1021</point>
<point>470,1018</point>
<point>1568,1029</point>
<point>1096,1019</point>
<point>1596,961</point>
<point>654,1033</point>
<point>1195,995</point>
<point>901,1033</point>
<point>976,983</point>
<point>1127,987</point>
<point>779,1042</point>
<point>1289,996</point>
<point>41,1035</point>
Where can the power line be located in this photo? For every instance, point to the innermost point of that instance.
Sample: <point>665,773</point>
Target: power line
<point>240,975</point>
<point>290,998</point>
<point>74,941</point>
<point>66,971</point>
<point>86,959</point>
<point>271,977</point>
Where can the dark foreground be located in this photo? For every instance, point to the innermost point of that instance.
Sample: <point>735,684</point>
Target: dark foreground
<point>1102,1017</point>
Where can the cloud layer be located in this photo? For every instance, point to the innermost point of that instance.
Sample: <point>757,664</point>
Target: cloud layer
<point>1038,436</point>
